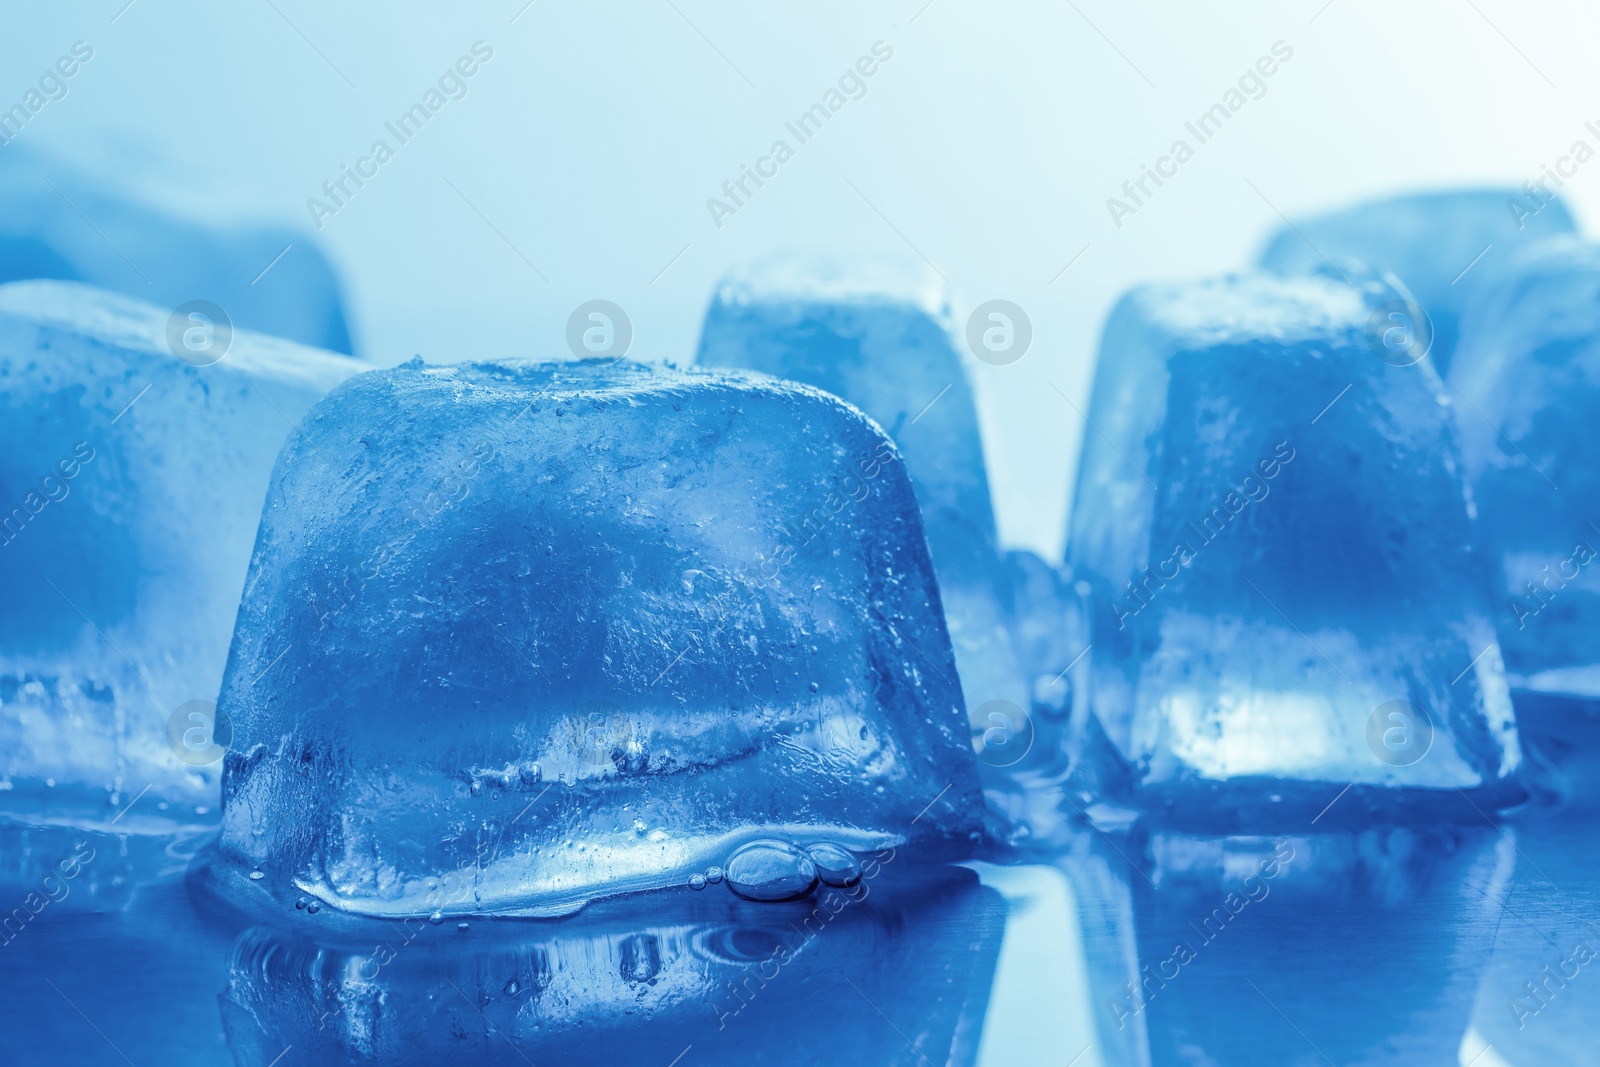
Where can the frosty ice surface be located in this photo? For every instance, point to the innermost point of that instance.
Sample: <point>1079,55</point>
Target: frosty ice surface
<point>1443,246</point>
<point>551,632</point>
<point>877,334</point>
<point>1272,517</point>
<point>132,483</point>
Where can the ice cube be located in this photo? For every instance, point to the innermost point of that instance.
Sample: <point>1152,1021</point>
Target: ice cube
<point>1444,246</point>
<point>131,483</point>
<point>583,629</point>
<point>877,333</point>
<point>62,224</point>
<point>1271,515</point>
<point>1529,370</point>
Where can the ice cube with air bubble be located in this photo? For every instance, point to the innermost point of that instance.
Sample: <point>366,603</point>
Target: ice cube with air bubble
<point>551,632</point>
<point>131,481</point>
<point>1286,599</point>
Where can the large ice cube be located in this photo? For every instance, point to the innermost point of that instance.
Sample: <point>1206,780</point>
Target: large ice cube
<point>1529,368</point>
<point>1444,246</point>
<point>131,484</point>
<point>61,224</point>
<point>1272,517</point>
<point>582,629</point>
<point>878,334</point>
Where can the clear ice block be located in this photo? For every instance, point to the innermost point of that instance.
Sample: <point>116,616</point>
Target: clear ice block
<point>878,334</point>
<point>1444,246</point>
<point>63,225</point>
<point>131,484</point>
<point>1285,597</point>
<point>550,632</point>
<point>1529,369</point>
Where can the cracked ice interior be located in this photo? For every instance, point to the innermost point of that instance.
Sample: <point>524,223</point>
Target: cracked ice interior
<point>131,481</point>
<point>877,333</point>
<point>1273,519</point>
<point>521,635</point>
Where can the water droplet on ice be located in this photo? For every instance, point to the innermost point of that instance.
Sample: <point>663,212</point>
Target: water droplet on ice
<point>436,918</point>
<point>697,881</point>
<point>313,907</point>
<point>461,926</point>
<point>256,876</point>
<point>714,875</point>
<point>835,866</point>
<point>771,870</point>
<point>300,903</point>
<point>513,987</point>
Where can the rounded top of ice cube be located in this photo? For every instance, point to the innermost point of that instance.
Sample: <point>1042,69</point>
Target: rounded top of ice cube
<point>584,628</point>
<point>1248,307</point>
<point>822,277</point>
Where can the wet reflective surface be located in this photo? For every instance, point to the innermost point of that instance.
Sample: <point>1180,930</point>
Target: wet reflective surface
<point>1465,944</point>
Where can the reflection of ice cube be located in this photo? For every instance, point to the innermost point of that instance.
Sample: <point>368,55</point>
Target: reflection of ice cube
<point>583,629</point>
<point>878,335</point>
<point>1442,245</point>
<point>60,224</point>
<point>631,982</point>
<point>1241,941</point>
<point>131,483</point>
<point>1529,366</point>
<point>1272,516</point>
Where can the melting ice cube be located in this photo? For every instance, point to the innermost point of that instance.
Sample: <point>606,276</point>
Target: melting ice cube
<point>552,632</point>
<point>1443,246</point>
<point>1272,517</point>
<point>877,334</point>
<point>131,483</point>
<point>1529,368</point>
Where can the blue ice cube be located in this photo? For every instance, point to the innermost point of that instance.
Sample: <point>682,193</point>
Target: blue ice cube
<point>131,483</point>
<point>554,632</point>
<point>1529,369</point>
<point>877,334</point>
<point>1270,512</point>
<point>61,224</point>
<point>1443,246</point>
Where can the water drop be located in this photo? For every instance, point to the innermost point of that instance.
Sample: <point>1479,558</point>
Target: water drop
<point>256,876</point>
<point>714,875</point>
<point>300,903</point>
<point>436,918</point>
<point>771,870</point>
<point>513,987</point>
<point>835,866</point>
<point>461,926</point>
<point>313,907</point>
